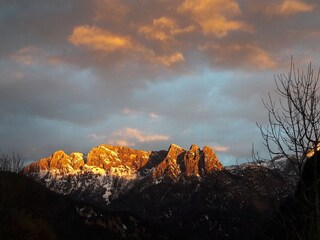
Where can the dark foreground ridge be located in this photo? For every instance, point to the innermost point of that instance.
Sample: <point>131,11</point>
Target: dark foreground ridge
<point>29,211</point>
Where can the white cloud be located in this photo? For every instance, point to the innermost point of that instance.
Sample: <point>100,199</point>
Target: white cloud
<point>122,142</point>
<point>154,116</point>
<point>221,148</point>
<point>97,137</point>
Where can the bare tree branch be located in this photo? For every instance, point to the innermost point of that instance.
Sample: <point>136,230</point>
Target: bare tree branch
<point>294,119</point>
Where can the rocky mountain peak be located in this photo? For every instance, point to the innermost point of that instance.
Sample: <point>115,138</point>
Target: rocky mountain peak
<point>210,160</point>
<point>122,161</point>
<point>61,160</point>
<point>77,160</point>
<point>58,161</point>
<point>108,171</point>
<point>132,158</point>
<point>190,163</point>
<point>103,157</point>
<point>191,160</point>
<point>174,146</point>
<point>174,151</point>
<point>194,147</point>
<point>170,166</point>
<point>107,156</point>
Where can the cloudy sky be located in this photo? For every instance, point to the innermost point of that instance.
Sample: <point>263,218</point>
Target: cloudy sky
<point>141,73</point>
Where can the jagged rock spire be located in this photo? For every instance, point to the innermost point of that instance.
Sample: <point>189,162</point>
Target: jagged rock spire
<point>190,163</point>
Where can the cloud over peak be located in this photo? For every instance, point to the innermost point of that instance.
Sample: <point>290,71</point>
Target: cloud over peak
<point>133,133</point>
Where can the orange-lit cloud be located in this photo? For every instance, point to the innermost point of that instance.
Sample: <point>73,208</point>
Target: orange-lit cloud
<point>166,38</point>
<point>132,133</point>
<point>99,39</point>
<point>27,55</point>
<point>169,60</point>
<point>32,55</point>
<point>110,10</point>
<point>23,56</point>
<point>216,16</point>
<point>255,57</point>
<point>290,7</point>
<point>163,29</point>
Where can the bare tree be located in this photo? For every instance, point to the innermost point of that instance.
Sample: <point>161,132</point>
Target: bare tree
<point>12,163</point>
<point>293,132</point>
<point>294,117</point>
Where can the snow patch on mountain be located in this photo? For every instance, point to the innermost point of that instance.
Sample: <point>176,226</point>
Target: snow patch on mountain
<point>108,191</point>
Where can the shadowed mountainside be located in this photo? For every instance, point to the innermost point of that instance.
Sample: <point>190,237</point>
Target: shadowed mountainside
<point>29,211</point>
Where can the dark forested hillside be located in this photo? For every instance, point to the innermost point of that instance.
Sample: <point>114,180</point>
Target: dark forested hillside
<point>31,211</point>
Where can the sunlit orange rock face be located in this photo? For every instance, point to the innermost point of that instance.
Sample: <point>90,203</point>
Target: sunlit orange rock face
<point>169,167</point>
<point>134,159</point>
<point>58,161</point>
<point>77,160</point>
<point>211,161</point>
<point>106,156</point>
<point>193,162</point>
<point>168,164</point>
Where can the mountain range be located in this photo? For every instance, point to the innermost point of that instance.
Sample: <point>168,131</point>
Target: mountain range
<point>108,171</point>
<point>186,193</point>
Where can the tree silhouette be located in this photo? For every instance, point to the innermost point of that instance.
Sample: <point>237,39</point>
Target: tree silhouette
<point>293,132</point>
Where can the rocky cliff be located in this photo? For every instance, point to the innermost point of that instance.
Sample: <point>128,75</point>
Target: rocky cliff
<point>58,161</point>
<point>107,156</point>
<point>194,162</point>
<point>118,160</point>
